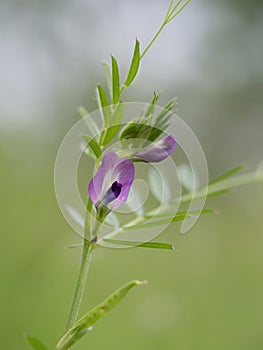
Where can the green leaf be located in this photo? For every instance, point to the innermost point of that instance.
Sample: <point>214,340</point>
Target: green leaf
<point>111,132</point>
<point>107,71</point>
<point>115,81</point>
<point>223,186</point>
<point>35,343</point>
<point>156,245</point>
<point>165,111</point>
<point>89,121</point>
<point>93,145</point>
<point>227,174</point>
<point>150,110</point>
<point>72,246</point>
<point>104,104</point>
<point>84,325</point>
<point>134,65</point>
<point>177,217</point>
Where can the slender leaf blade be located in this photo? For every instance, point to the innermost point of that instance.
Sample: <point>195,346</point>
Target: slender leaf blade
<point>35,343</point>
<point>115,81</point>
<point>104,104</point>
<point>155,245</point>
<point>89,121</point>
<point>177,217</point>
<point>93,145</point>
<point>135,63</point>
<point>72,246</point>
<point>150,110</point>
<point>228,174</point>
<point>82,326</point>
<point>107,71</point>
<point>116,124</point>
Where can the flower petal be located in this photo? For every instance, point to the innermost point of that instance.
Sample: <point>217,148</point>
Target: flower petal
<point>124,173</point>
<point>158,151</point>
<point>112,170</point>
<point>102,179</point>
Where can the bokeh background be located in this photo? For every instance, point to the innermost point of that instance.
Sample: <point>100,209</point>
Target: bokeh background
<point>208,293</point>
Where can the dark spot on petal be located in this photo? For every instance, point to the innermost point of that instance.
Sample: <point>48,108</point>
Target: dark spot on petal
<point>116,188</point>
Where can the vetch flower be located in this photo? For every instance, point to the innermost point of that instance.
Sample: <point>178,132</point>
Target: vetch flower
<point>158,151</point>
<point>111,185</point>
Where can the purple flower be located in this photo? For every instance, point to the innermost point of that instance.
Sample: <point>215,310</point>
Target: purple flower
<point>158,151</point>
<point>111,185</point>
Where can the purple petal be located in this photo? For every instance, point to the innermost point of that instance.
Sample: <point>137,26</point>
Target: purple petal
<point>124,172</point>
<point>113,170</point>
<point>158,151</point>
<point>97,185</point>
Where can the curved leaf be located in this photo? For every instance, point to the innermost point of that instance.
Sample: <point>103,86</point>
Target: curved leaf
<point>115,81</point>
<point>116,124</point>
<point>134,65</point>
<point>156,245</point>
<point>35,343</point>
<point>226,175</point>
<point>93,145</point>
<point>104,104</point>
<point>89,121</point>
<point>108,76</point>
<point>84,325</point>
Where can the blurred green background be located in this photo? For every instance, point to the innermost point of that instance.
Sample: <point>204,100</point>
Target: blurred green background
<point>208,293</point>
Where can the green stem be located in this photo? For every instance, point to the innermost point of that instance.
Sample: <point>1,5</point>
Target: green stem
<point>81,282</point>
<point>153,40</point>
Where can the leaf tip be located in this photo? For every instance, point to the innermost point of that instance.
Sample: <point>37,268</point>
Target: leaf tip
<point>140,283</point>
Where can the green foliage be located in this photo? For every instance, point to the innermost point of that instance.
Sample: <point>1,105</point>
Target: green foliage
<point>104,104</point>
<point>228,174</point>
<point>150,110</point>
<point>155,245</point>
<point>223,184</point>
<point>107,71</point>
<point>172,13</point>
<point>112,131</point>
<point>115,81</point>
<point>35,343</point>
<point>134,67</point>
<point>142,222</point>
<point>147,126</point>
<point>89,121</point>
<point>84,325</point>
<point>95,148</point>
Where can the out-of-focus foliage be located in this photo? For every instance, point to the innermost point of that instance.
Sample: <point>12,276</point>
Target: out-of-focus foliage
<point>207,293</point>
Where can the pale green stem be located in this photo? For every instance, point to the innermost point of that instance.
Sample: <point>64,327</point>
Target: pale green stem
<point>170,15</point>
<point>88,247</point>
<point>81,282</point>
<point>153,40</point>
